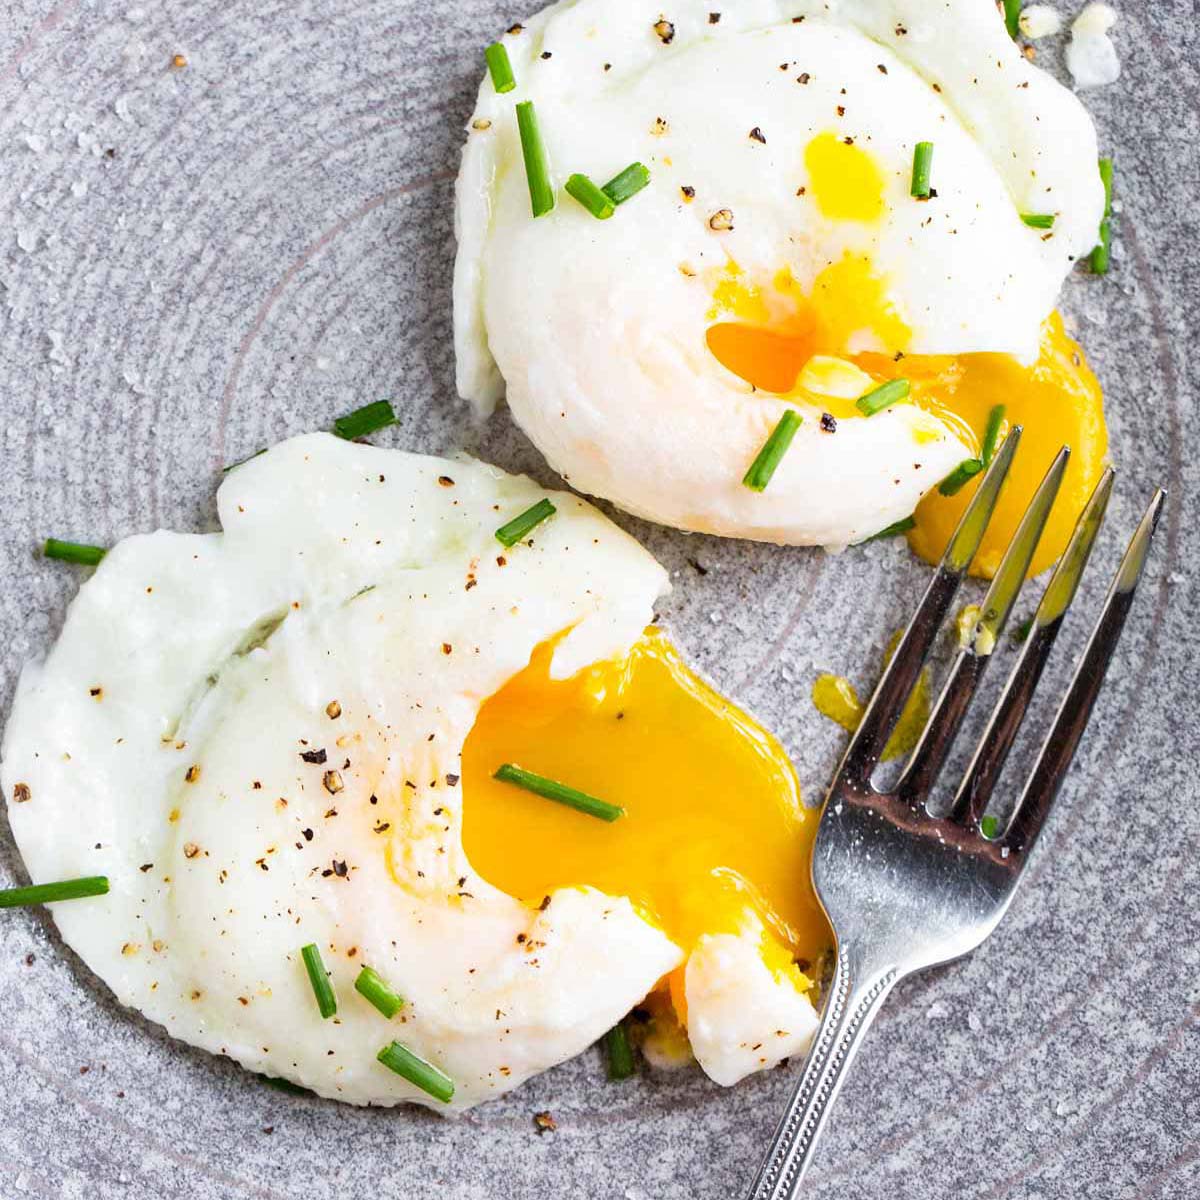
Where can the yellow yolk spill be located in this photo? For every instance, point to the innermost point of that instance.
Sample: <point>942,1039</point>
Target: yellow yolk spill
<point>778,341</point>
<point>843,179</point>
<point>713,825</point>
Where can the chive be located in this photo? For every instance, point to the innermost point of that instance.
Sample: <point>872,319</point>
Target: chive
<point>370,985</point>
<point>417,1071</point>
<point>368,419</point>
<point>537,168</point>
<point>500,68</point>
<point>922,161</point>
<point>1020,633</point>
<point>1012,17</point>
<point>597,202</point>
<point>1038,220</point>
<point>49,893</point>
<point>774,448</point>
<point>991,434</point>
<point>1098,259</point>
<point>515,530</point>
<point>319,978</point>
<point>226,469</point>
<point>884,396</point>
<point>548,789</point>
<point>619,1052</point>
<point>988,826</point>
<point>893,530</point>
<point>73,552</point>
<point>956,480</point>
<point>627,183</point>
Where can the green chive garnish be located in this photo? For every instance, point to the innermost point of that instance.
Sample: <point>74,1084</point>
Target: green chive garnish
<point>519,527</point>
<point>1098,260</point>
<point>627,183</point>
<point>367,419</point>
<point>619,1052</point>
<point>957,479</point>
<point>74,552</point>
<point>370,985</point>
<point>893,530</point>
<point>48,893</point>
<point>882,397</point>
<point>774,448</point>
<point>500,68</point>
<point>226,469</point>
<point>988,826</point>
<point>322,988</point>
<point>1012,17</point>
<point>1038,220</point>
<point>537,167</point>
<point>548,789</point>
<point>922,162</point>
<point>991,435</point>
<point>596,201</point>
<point>417,1071</point>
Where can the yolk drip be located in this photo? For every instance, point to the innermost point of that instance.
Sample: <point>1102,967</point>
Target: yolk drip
<point>843,179</point>
<point>713,822</point>
<point>1057,399</point>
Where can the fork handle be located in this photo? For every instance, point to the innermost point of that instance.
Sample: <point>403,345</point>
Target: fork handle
<point>855,996</point>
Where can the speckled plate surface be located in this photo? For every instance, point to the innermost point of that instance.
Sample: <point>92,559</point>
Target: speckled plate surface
<point>196,261</point>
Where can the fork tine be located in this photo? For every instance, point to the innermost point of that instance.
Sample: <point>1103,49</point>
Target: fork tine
<point>929,754</point>
<point>988,760</point>
<point>1072,717</point>
<point>862,754</point>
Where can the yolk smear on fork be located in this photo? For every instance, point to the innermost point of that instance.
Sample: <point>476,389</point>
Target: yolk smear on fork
<point>1057,400</point>
<point>713,825</point>
<point>843,179</point>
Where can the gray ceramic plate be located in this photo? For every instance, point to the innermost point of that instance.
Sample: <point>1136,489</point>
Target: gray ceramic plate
<point>196,262</point>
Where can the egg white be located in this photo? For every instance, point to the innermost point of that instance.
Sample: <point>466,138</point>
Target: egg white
<point>596,332</point>
<point>366,584</point>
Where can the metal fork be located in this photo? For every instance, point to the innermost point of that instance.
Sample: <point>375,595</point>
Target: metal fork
<point>905,888</point>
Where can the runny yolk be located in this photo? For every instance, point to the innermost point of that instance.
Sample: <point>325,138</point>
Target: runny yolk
<point>713,825</point>
<point>843,179</point>
<point>768,336</point>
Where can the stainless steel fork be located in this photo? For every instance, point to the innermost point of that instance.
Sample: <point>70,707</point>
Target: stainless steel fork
<point>905,889</point>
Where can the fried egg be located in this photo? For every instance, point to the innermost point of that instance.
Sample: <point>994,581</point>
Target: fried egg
<point>777,259</point>
<point>286,733</point>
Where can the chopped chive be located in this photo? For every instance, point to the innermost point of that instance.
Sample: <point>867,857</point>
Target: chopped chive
<point>417,1071</point>
<point>229,467</point>
<point>501,70</point>
<point>1098,259</point>
<point>319,978</point>
<point>988,826</point>
<point>957,479</point>
<point>522,524</point>
<point>1038,220</point>
<point>370,985</point>
<point>893,530</point>
<point>537,167</point>
<point>922,162</point>
<point>619,1052</point>
<point>548,789</point>
<point>991,434</point>
<point>627,183</point>
<point>74,552</point>
<point>774,448</point>
<point>884,396</point>
<point>368,419</point>
<point>48,893</point>
<point>596,201</point>
<point>1012,17</point>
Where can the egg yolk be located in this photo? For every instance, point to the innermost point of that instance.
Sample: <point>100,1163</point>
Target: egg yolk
<point>713,823</point>
<point>785,342</point>
<point>843,179</point>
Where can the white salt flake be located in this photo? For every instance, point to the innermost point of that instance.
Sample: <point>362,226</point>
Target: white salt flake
<point>36,143</point>
<point>937,1011</point>
<point>79,189</point>
<point>974,1023</point>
